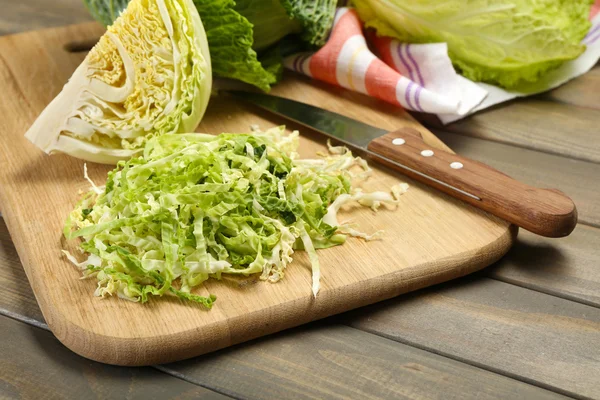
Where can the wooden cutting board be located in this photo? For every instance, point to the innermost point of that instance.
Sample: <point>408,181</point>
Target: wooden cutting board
<point>429,238</point>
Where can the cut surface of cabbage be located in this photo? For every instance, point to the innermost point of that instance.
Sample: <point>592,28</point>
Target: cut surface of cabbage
<point>149,75</point>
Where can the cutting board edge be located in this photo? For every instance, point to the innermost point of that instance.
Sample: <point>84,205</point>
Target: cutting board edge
<point>192,343</point>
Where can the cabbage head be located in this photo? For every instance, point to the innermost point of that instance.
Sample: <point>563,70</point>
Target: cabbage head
<point>245,36</point>
<point>503,42</point>
<point>149,75</point>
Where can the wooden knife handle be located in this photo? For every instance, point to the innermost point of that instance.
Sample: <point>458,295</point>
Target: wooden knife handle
<point>546,212</point>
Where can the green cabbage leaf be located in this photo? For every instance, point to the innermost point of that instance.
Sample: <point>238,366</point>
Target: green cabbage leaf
<point>315,17</point>
<point>230,38</point>
<point>239,32</point>
<point>274,19</point>
<point>148,75</point>
<point>269,19</point>
<point>106,11</point>
<point>197,206</point>
<point>502,42</point>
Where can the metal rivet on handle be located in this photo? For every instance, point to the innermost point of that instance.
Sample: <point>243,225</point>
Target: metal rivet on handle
<point>398,141</point>
<point>427,153</point>
<point>456,165</point>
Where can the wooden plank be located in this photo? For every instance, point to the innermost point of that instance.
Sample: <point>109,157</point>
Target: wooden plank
<point>567,268</point>
<point>287,363</point>
<point>332,361</point>
<point>35,365</point>
<point>578,179</point>
<point>24,15</point>
<point>541,125</point>
<point>581,91</point>
<point>515,331</point>
<point>16,294</point>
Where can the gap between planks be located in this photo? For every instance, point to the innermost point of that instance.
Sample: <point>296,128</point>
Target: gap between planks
<point>525,146</point>
<point>475,364</point>
<point>565,268</point>
<point>541,289</point>
<point>188,379</point>
<point>215,388</point>
<point>483,126</point>
<point>561,121</point>
<point>532,146</point>
<point>43,326</point>
<point>26,351</point>
<point>507,339</point>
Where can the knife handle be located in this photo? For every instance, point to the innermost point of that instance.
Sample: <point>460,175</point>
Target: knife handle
<point>546,212</point>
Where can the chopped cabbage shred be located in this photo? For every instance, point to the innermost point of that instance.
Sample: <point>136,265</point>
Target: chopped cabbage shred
<point>196,206</point>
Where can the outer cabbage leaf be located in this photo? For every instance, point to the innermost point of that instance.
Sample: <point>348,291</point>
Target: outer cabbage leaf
<point>230,39</point>
<point>315,16</point>
<point>270,21</point>
<point>274,19</point>
<point>502,42</point>
<point>148,75</point>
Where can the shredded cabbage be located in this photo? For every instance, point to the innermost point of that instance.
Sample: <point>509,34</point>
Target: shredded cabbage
<point>196,206</point>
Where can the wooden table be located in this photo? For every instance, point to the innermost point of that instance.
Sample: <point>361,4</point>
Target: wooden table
<point>527,327</point>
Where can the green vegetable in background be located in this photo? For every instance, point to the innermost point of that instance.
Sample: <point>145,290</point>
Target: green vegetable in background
<point>315,16</point>
<point>237,30</point>
<point>230,43</point>
<point>274,19</point>
<point>196,206</point>
<point>105,11</point>
<point>504,42</point>
<point>269,19</point>
<point>148,75</point>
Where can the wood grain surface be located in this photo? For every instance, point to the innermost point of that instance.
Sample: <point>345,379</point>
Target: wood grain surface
<point>338,362</point>
<point>321,360</point>
<point>36,366</point>
<point>567,268</point>
<point>580,92</point>
<point>531,336</point>
<point>542,125</point>
<point>16,295</point>
<point>422,245</point>
<point>24,15</point>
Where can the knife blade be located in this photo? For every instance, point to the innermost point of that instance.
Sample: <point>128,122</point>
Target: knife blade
<point>547,212</point>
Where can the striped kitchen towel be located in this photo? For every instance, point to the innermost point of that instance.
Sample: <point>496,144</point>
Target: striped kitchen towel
<point>416,77</point>
<point>420,77</point>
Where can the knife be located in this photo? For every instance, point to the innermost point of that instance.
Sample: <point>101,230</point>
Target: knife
<point>546,212</point>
